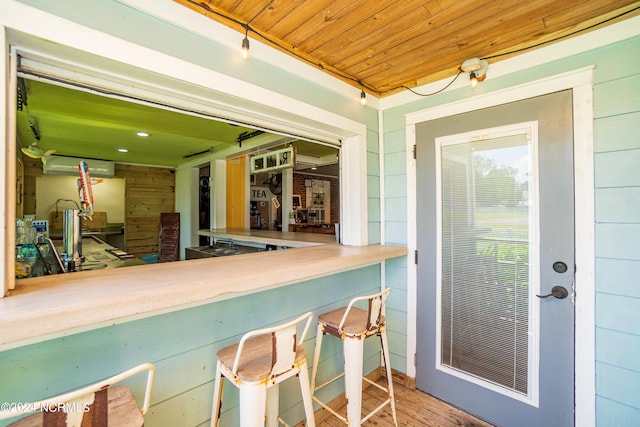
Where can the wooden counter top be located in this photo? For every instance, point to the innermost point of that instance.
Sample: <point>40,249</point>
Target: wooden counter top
<point>53,306</point>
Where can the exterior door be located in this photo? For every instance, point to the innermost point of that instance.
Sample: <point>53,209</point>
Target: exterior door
<point>496,235</point>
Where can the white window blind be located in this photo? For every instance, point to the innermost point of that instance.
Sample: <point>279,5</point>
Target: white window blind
<point>484,289</point>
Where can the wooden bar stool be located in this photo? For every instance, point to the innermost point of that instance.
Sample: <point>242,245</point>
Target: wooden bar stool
<point>257,365</point>
<point>97,405</point>
<point>353,326</point>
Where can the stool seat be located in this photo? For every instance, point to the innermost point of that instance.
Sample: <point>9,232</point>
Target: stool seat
<point>256,363</point>
<point>353,325</point>
<point>356,323</point>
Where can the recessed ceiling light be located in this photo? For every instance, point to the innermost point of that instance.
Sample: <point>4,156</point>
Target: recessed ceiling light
<point>143,133</point>
<point>314,168</point>
<point>123,150</point>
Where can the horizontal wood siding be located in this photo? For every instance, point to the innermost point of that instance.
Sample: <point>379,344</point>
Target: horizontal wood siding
<point>149,191</point>
<point>182,345</point>
<point>373,189</point>
<point>396,278</point>
<point>617,200</point>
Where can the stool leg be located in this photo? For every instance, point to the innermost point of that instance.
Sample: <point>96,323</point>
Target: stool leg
<point>387,367</point>
<point>306,390</point>
<point>253,403</point>
<point>353,365</point>
<point>273,405</point>
<point>218,388</point>
<point>316,357</point>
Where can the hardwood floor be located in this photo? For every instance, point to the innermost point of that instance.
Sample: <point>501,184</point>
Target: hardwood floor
<point>413,408</point>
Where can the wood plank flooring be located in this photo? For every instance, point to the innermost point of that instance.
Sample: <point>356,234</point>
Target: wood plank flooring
<point>413,408</point>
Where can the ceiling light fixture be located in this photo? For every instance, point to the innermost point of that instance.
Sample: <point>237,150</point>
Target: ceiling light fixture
<point>143,134</point>
<point>245,43</point>
<point>123,150</point>
<point>476,68</point>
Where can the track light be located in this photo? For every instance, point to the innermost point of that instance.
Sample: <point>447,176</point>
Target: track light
<point>34,130</point>
<point>477,69</point>
<point>245,43</point>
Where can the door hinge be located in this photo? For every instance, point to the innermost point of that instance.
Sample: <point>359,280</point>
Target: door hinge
<point>415,256</point>
<point>415,359</point>
<point>414,150</point>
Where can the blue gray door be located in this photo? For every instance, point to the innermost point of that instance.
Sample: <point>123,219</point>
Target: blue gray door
<point>496,261</point>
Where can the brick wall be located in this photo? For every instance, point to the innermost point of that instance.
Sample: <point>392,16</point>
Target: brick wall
<point>300,189</point>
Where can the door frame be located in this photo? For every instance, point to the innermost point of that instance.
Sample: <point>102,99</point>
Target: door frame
<point>581,82</point>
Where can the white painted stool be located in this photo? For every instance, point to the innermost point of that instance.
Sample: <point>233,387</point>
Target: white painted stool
<point>98,405</point>
<point>353,325</point>
<point>257,365</point>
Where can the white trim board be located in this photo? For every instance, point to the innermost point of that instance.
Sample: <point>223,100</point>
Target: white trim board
<point>581,82</point>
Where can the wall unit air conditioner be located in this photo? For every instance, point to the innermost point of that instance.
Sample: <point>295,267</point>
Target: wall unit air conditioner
<point>60,165</point>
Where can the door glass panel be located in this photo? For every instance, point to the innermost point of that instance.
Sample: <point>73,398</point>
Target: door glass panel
<point>486,211</point>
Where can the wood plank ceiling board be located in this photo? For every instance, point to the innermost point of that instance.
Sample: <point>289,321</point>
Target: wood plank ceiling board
<point>305,14</point>
<point>386,47</point>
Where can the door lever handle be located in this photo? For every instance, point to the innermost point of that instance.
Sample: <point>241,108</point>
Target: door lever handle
<point>557,291</point>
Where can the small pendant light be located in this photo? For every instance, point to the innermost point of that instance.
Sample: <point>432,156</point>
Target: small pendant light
<point>245,44</point>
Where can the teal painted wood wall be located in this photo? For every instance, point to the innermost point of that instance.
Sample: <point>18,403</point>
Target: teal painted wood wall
<point>617,228</point>
<point>182,345</point>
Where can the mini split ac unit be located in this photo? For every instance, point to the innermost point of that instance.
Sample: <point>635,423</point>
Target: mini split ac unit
<point>60,165</point>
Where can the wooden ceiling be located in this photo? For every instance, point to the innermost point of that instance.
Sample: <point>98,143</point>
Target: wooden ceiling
<point>389,46</point>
